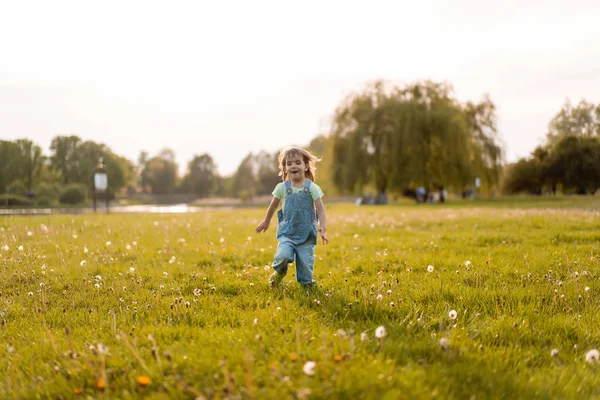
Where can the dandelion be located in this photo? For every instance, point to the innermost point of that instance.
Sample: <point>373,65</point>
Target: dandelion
<point>430,268</point>
<point>338,358</point>
<point>82,263</point>
<point>380,332</point>
<point>20,248</point>
<point>587,288</point>
<point>197,292</point>
<point>98,278</point>
<point>29,233</point>
<point>134,243</point>
<point>452,314</point>
<point>444,343</point>
<point>392,304</point>
<point>309,368</point>
<point>592,356</point>
<point>131,270</point>
<point>97,285</point>
<point>554,353</point>
<point>389,292</point>
<point>143,380</point>
<point>255,322</point>
<point>222,240</point>
<point>102,349</point>
<point>467,263</point>
<point>30,294</point>
<point>379,297</point>
<point>5,248</point>
<point>74,236</point>
<point>85,250</point>
<point>364,337</point>
<point>165,274</point>
<point>77,390</point>
<point>108,243</point>
<point>100,384</point>
<point>128,247</point>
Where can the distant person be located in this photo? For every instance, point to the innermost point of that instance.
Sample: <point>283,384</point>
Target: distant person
<point>443,194</point>
<point>421,194</point>
<point>297,230</point>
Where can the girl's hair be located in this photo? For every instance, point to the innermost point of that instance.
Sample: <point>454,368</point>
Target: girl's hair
<point>309,159</point>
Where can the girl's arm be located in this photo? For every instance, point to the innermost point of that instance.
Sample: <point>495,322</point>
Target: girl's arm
<point>322,219</point>
<point>264,225</point>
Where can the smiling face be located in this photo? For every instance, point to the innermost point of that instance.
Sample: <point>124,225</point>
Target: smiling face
<point>295,167</point>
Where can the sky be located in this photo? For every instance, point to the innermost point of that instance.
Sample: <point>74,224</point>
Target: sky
<point>232,77</point>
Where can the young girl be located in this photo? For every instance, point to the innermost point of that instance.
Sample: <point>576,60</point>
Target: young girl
<point>297,231</point>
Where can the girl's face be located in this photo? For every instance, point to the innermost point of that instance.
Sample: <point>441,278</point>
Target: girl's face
<point>295,167</point>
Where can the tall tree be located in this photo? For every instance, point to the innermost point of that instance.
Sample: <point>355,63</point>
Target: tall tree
<point>582,120</point>
<point>161,171</point>
<point>65,157</point>
<point>409,136</point>
<point>201,176</point>
<point>31,164</point>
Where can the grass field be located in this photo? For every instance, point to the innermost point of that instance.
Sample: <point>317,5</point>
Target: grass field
<point>178,306</point>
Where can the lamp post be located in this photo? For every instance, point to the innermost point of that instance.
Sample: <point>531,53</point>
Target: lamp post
<point>100,183</point>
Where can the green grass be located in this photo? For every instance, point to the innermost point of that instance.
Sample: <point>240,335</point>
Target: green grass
<point>188,306</point>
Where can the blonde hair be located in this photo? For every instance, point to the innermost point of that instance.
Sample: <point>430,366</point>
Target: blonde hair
<point>309,159</point>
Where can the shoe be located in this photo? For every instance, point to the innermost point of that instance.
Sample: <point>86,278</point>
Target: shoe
<point>275,279</point>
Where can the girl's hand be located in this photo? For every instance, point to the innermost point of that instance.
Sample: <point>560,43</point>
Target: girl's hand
<point>262,227</point>
<point>323,236</point>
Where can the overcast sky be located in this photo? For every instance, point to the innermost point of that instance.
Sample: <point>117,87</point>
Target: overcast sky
<point>229,77</point>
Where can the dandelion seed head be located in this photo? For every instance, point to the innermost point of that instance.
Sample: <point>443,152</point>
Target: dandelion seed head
<point>444,343</point>
<point>452,314</point>
<point>309,368</point>
<point>591,357</point>
<point>430,268</point>
<point>380,332</point>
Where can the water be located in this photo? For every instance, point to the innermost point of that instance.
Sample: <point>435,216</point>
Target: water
<point>152,209</point>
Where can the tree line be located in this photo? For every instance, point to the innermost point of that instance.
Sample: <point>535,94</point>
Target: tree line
<point>383,139</point>
<point>568,161</point>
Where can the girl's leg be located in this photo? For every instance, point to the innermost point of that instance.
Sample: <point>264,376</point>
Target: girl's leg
<point>305,262</point>
<point>284,256</point>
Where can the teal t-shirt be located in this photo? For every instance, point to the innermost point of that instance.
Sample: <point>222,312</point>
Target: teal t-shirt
<point>281,193</point>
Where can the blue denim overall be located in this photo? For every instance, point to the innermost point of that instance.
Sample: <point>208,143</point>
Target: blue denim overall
<point>297,234</point>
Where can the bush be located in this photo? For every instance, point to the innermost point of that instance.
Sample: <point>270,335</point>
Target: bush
<point>74,193</point>
<point>14,200</point>
<point>45,201</point>
<point>45,190</point>
<point>17,187</point>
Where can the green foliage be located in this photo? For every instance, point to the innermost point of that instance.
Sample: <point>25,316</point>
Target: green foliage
<point>161,172</point>
<point>184,301</point>
<point>47,190</point>
<point>570,158</point>
<point>417,135</point>
<point>9,199</point>
<point>73,193</point>
<point>46,201</point>
<point>17,187</point>
<point>582,120</point>
<point>201,176</point>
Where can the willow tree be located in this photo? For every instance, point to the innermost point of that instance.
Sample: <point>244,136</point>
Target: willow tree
<point>417,135</point>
